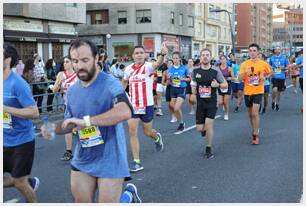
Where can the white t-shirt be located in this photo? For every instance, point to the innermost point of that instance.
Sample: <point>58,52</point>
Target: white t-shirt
<point>141,84</point>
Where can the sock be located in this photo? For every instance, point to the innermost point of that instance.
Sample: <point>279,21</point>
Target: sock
<point>156,139</point>
<point>137,161</point>
<point>126,197</point>
<point>182,122</point>
<point>69,150</point>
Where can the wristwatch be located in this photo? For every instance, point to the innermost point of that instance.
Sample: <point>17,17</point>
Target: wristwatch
<point>87,120</point>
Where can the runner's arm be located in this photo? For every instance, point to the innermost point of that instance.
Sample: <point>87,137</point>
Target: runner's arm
<point>30,112</point>
<point>164,78</point>
<point>57,84</point>
<point>124,83</point>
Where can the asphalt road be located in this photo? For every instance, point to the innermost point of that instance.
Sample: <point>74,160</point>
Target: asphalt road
<point>271,172</point>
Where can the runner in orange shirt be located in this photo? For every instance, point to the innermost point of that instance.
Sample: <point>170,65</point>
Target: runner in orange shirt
<point>253,72</point>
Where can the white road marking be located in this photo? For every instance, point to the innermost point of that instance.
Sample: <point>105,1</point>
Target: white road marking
<point>15,200</point>
<point>191,127</point>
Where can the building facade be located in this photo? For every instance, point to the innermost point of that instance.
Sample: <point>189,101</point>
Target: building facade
<point>119,27</point>
<point>254,25</point>
<point>212,29</point>
<point>42,28</point>
<point>288,27</point>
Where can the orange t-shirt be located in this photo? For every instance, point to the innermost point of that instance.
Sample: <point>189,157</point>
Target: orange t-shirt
<point>252,84</point>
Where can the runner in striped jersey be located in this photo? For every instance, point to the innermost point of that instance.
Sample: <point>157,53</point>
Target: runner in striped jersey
<point>63,81</point>
<point>141,97</point>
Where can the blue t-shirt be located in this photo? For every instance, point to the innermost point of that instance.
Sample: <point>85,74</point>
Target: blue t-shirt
<point>299,60</point>
<point>179,72</point>
<point>17,93</point>
<point>276,62</point>
<point>108,160</point>
<point>236,69</point>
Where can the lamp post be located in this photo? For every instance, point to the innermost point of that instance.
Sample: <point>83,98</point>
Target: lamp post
<point>231,26</point>
<point>108,36</point>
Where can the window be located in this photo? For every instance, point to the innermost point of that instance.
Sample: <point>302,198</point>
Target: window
<point>143,16</point>
<point>190,21</point>
<point>181,20</point>
<point>211,14</point>
<point>172,17</point>
<point>218,15</point>
<point>199,29</point>
<point>88,19</point>
<point>122,17</point>
<point>71,5</point>
<point>99,17</point>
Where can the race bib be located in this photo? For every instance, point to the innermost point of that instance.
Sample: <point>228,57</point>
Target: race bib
<point>139,110</point>
<point>204,92</point>
<point>253,80</point>
<point>224,90</point>
<point>159,73</point>
<point>7,121</point>
<point>176,82</point>
<point>90,136</point>
<point>278,70</point>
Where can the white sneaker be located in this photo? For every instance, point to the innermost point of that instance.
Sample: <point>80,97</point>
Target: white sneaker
<point>192,112</point>
<point>173,119</point>
<point>225,116</point>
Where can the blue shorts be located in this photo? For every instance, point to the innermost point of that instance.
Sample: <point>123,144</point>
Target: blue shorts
<point>147,117</point>
<point>237,86</point>
<point>176,92</point>
<point>267,89</point>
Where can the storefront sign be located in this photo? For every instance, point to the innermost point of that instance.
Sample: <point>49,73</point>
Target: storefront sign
<point>61,30</point>
<point>18,25</point>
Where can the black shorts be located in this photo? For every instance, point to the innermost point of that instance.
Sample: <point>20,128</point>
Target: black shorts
<point>154,92</point>
<point>168,96</point>
<point>176,92</point>
<point>73,168</point>
<point>252,99</point>
<point>301,83</point>
<point>295,76</point>
<point>18,160</point>
<point>229,90</point>
<point>279,83</point>
<point>147,117</point>
<point>203,112</point>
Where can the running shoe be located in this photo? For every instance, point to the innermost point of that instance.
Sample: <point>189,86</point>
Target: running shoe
<point>173,119</point>
<point>263,110</point>
<point>159,146</point>
<point>181,127</point>
<point>255,140</point>
<point>135,167</point>
<point>192,112</point>
<point>277,107</point>
<point>225,116</point>
<point>236,109</point>
<point>208,153</point>
<point>159,112</point>
<point>133,190</point>
<point>203,133</point>
<point>273,106</point>
<point>34,183</point>
<point>67,156</point>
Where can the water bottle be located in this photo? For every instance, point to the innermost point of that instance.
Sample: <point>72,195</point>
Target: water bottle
<point>49,126</point>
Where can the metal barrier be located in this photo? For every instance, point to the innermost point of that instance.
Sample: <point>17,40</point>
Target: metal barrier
<point>57,105</point>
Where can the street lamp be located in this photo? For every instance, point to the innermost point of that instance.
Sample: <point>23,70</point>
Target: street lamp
<point>231,26</point>
<point>108,36</point>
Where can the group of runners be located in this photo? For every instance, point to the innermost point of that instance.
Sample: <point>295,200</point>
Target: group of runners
<point>100,159</point>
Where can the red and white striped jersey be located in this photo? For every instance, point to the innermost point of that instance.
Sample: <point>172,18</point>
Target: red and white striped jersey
<point>68,82</point>
<point>141,84</point>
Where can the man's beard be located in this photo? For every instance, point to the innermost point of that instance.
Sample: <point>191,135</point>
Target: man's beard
<point>89,75</point>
